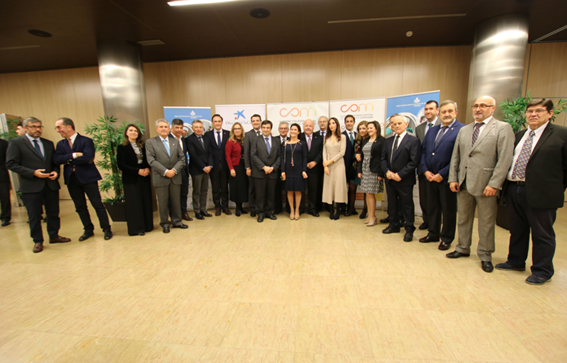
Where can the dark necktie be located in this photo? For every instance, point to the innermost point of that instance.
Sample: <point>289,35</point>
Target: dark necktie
<point>522,162</point>
<point>36,145</point>
<point>430,124</point>
<point>396,142</point>
<point>201,141</point>
<point>268,144</point>
<point>476,132</point>
<point>440,135</point>
<point>219,142</point>
<point>257,133</point>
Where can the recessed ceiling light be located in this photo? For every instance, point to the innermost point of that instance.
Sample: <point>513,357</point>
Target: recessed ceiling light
<point>40,33</point>
<point>259,13</point>
<point>409,33</point>
<point>195,2</point>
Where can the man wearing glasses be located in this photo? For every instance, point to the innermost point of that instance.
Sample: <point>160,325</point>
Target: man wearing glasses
<point>534,190</point>
<point>481,158</point>
<point>31,156</point>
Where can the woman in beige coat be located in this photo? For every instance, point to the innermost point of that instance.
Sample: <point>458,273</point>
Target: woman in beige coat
<point>334,181</point>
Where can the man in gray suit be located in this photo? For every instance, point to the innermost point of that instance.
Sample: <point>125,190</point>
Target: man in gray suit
<point>481,158</point>
<point>166,158</point>
<point>256,121</point>
<point>431,110</point>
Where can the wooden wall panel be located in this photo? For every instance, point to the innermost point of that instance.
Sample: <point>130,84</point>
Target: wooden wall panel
<point>253,79</point>
<point>14,94</point>
<point>547,75</point>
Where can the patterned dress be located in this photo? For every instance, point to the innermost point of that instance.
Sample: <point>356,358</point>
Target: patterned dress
<point>370,182</point>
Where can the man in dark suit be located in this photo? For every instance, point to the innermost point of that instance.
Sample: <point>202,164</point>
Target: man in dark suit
<point>350,135</point>
<point>200,166</point>
<point>536,185</point>
<point>249,137</point>
<point>217,138</point>
<point>31,156</point>
<point>283,130</point>
<point>265,157</point>
<point>166,158</point>
<point>430,112</point>
<point>323,123</point>
<point>77,153</point>
<point>6,214</point>
<point>399,159</point>
<point>314,165</point>
<point>436,152</point>
<point>177,134</point>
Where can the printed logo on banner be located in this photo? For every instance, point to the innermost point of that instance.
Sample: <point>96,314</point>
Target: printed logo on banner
<point>357,107</point>
<point>296,112</point>
<point>239,114</point>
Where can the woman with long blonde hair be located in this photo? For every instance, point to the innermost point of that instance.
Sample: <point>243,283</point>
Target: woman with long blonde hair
<point>235,160</point>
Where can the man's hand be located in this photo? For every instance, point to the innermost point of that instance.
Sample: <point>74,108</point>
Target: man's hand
<point>490,191</point>
<point>437,178</point>
<point>454,187</point>
<point>207,169</point>
<point>268,169</point>
<point>397,177</point>
<point>311,164</point>
<point>170,173</point>
<point>40,173</point>
<point>53,175</point>
<point>78,155</point>
<point>248,172</point>
<point>283,176</point>
<point>389,175</point>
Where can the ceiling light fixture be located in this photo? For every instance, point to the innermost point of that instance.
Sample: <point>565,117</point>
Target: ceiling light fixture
<point>146,43</point>
<point>195,2</point>
<point>40,33</point>
<point>550,34</point>
<point>20,47</point>
<point>396,18</point>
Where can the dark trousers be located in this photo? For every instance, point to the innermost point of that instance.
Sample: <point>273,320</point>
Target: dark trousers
<point>320,192</point>
<point>313,177</point>
<point>523,218</point>
<point>200,189</point>
<point>5,201</point>
<point>251,195</point>
<point>139,209</point>
<point>33,203</point>
<point>278,200</point>
<point>77,190</point>
<point>423,200</point>
<point>184,190</point>
<point>441,201</point>
<point>403,193</point>
<point>219,180</point>
<point>265,194</point>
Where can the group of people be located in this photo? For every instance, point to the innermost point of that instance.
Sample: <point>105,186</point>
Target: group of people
<point>459,168</point>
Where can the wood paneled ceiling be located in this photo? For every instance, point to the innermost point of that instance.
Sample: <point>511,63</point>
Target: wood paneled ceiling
<point>227,29</point>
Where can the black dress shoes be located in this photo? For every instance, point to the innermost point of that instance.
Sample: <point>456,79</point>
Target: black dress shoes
<point>252,213</point>
<point>206,214</point>
<point>38,247</point>
<point>423,226</point>
<point>5,223</point>
<point>237,212</point>
<point>165,229</point>
<point>199,216</point>
<point>408,237</point>
<point>314,214</point>
<point>107,234</point>
<point>428,239</point>
<point>243,211</point>
<point>487,266</point>
<point>271,216</point>
<point>86,236</point>
<point>218,212</point>
<point>385,220</point>
<point>457,254</point>
<point>59,239</point>
<point>187,217</point>
<point>507,266</point>
<point>362,215</point>
<point>260,218</point>
<point>444,246</point>
<point>181,226</point>
<point>537,280</point>
<point>389,230</point>
<point>227,211</point>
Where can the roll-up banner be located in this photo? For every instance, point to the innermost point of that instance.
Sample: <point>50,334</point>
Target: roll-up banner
<point>411,106</point>
<point>188,115</point>
<point>296,112</point>
<point>240,113</point>
<point>363,109</point>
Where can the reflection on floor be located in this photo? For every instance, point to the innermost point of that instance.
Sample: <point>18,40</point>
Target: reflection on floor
<point>230,289</point>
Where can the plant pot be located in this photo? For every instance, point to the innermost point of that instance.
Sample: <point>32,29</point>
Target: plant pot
<point>117,211</point>
<point>502,217</point>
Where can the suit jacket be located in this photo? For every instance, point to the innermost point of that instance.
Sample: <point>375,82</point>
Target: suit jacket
<point>318,133</point>
<point>260,157</point>
<point>185,168</point>
<point>160,161</point>
<point>402,161</point>
<point>546,172</point>
<point>23,159</point>
<point>4,176</point>
<point>487,162</point>
<point>200,154</point>
<point>375,155</point>
<point>249,137</point>
<point>85,168</point>
<point>349,152</point>
<point>316,152</point>
<point>438,159</point>
<point>128,163</point>
<point>420,133</point>
<point>218,152</point>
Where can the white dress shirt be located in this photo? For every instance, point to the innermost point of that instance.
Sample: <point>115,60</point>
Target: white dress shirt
<point>538,132</point>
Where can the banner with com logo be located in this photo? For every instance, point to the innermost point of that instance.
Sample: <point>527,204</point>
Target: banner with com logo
<point>296,112</point>
<point>188,115</point>
<point>240,113</point>
<point>411,106</point>
<point>363,109</point>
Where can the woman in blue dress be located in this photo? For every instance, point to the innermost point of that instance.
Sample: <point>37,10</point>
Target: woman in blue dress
<point>294,169</point>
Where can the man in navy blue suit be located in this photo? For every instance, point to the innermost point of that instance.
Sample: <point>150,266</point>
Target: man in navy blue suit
<point>77,153</point>
<point>349,159</point>
<point>399,159</point>
<point>216,139</point>
<point>437,150</point>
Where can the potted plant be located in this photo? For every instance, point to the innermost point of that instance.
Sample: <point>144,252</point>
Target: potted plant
<point>514,112</point>
<point>107,134</point>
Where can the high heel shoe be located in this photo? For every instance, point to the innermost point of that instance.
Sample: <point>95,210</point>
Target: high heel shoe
<point>366,221</point>
<point>371,223</point>
<point>296,215</point>
<point>291,215</point>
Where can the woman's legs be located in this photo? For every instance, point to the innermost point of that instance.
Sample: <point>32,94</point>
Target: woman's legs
<point>291,205</point>
<point>371,205</point>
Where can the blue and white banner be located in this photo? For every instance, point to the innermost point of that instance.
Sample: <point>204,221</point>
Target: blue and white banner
<point>188,115</point>
<point>240,113</point>
<point>410,106</point>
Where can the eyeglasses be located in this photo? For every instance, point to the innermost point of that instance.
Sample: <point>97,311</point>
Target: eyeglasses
<point>35,127</point>
<point>482,106</point>
<point>539,110</point>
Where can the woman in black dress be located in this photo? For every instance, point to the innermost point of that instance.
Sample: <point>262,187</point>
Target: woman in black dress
<point>294,169</point>
<point>131,158</point>
<point>235,161</point>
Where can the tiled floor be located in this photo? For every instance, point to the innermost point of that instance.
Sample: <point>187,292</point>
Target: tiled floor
<point>230,289</point>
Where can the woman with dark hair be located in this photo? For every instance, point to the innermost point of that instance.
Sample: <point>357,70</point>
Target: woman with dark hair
<point>294,169</point>
<point>131,158</point>
<point>334,185</point>
<point>369,169</point>
<point>235,160</point>
<point>362,134</point>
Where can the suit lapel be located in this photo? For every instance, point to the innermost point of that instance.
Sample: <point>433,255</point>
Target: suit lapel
<point>489,127</point>
<point>28,143</point>
<point>402,143</point>
<point>447,133</point>
<point>544,136</point>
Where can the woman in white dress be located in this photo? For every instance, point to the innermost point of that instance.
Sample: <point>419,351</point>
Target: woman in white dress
<point>334,181</point>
